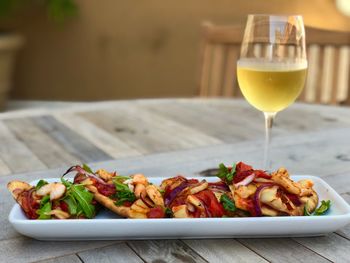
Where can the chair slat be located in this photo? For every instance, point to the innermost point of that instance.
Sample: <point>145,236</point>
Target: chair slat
<point>310,90</point>
<point>327,75</point>
<point>230,77</point>
<point>335,77</point>
<point>215,83</point>
<point>205,71</point>
<point>343,74</point>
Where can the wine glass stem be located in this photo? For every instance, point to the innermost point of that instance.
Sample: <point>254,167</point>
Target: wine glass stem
<point>269,118</point>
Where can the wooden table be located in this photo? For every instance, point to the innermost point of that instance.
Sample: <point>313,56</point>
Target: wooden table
<point>164,138</point>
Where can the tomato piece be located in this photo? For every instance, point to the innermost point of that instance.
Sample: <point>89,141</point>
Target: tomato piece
<point>64,206</point>
<point>262,174</point>
<point>241,175</point>
<point>156,212</point>
<point>214,208</point>
<point>105,189</point>
<point>242,167</point>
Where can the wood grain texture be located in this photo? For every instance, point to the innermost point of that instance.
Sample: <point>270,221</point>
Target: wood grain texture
<point>282,250</point>
<point>332,246</point>
<point>165,251</point>
<point>28,250</point>
<point>70,141</point>
<point>223,250</point>
<point>345,231</point>
<point>99,137</point>
<point>148,132</point>
<point>64,259</point>
<point>16,155</point>
<point>48,151</point>
<point>115,253</point>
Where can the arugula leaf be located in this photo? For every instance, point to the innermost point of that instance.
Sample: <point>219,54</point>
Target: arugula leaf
<point>123,193</point>
<point>321,210</point>
<point>226,174</point>
<point>72,204</point>
<point>87,168</point>
<point>78,199</point>
<point>84,198</point>
<point>44,200</point>
<point>43,211</point>
<point>227,203</point>
<point>40,184</point>
<point>66,182</point>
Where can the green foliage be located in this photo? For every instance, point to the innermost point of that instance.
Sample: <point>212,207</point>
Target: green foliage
<point>57,10</point>
<point>226,174</point>
<point>227,203</point>
<point>123,194</point>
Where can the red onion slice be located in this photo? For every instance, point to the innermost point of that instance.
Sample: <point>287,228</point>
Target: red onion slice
<point>219,186</point>
<point>246,180</point>
<point>147,201</point>
<point>257,205</point>
<point>170,198</point>
<point>80,170</point>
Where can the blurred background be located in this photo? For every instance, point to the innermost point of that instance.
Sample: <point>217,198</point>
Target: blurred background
<point>85,50</point>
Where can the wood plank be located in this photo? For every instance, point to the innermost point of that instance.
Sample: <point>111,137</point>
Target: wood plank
<point>42,145</point>
<point>70,141</point>
<point>148,132</point>
<point>4,169</point>
<point>13,150</point>
<point>230,87</point>
<point>115,253</point>
<point>64,259</point>
<point>345,231</point>
<point>205,70</point>
<point>327,74</point>
<point>340,182</point>
<point>333,246</point>
<point>223,250</point>
<point>343,74</point>
<point>103,140</point>
<point>165,251</point>
<point>282,250</point>
<point>205,122</point>
<point>216,73</point>
<point>24,249</point>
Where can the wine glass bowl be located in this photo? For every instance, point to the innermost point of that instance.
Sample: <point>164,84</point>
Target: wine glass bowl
<point>272,67</point>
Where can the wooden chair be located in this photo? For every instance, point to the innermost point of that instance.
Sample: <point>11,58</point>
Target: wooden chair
<point>328,55</point>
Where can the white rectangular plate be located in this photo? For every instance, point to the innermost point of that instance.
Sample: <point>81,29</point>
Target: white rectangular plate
<point>107,226</point>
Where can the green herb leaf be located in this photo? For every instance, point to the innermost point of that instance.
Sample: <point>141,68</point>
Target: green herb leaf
<point>87,168</point>
<point>43,211</point>
<point>44,200</point>
<point>84,198</point>
<point>72,204</point>
<point>66,182</point>
<point>40,184</point>
<point>123,193</point>
<point>323,208</point>
<point>226,174</point>
<point>227,203</point>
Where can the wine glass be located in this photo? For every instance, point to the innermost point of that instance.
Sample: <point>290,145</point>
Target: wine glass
<point>272,67</point>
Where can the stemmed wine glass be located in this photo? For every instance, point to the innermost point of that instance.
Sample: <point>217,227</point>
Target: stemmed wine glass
<point>272,67</point>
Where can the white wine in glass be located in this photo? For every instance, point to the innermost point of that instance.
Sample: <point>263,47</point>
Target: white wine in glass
<point>272,67</point>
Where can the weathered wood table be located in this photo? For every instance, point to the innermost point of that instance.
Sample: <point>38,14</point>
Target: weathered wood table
<point>164,138</point>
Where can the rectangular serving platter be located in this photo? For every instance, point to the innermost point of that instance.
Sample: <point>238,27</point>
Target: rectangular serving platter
<point>108,226</point>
